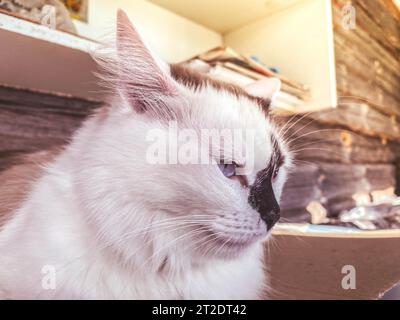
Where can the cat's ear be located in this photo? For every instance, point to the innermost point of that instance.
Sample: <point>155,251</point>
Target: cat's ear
<point>144,79</point>
<point>266,88</point>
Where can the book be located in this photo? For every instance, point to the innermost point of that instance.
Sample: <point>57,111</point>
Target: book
<point>221,72</point>
<point>301,94</point>
<point>244,64</point>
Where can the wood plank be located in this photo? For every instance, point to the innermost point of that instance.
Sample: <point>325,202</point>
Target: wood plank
<point>351,63</point>
<point>338,180</point>
<point>361,118</point>
<point>367,57</point>
<point>333,185</point>
<point>32,121</point>
<point>363,40</point>
<point>381,12</point>
<point>313,141</point>
<point>354,88</point>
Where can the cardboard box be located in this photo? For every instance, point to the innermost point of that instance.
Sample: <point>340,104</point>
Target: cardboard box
<point>326,262</point>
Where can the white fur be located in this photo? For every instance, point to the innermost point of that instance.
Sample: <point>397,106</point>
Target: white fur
<point>115,226</point>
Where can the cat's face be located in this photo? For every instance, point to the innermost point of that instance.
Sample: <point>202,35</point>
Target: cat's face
<point>188,165</point>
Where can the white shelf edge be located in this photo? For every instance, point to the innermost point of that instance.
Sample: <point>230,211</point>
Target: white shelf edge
<point>42,32</point>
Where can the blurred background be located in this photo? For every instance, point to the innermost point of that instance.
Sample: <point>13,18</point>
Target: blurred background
<point>338,62</point>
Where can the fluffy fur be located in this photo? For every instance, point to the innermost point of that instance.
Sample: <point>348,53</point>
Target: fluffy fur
<point>114,226</point>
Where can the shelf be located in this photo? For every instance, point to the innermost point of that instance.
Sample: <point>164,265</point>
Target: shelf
<point>224,15</point>
<point>293,36</point>
<point>38,58</point>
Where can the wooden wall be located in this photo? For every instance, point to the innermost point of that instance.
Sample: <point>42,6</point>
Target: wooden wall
<point>367,57</point>
<point>31,121</point>
<point>368,69</point>
<point>334,167</point>
<point>353,150</point>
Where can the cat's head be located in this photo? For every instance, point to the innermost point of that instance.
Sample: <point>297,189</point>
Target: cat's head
<point>150,173</point>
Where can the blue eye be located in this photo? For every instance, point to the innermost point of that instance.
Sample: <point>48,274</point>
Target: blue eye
<point>228,169</point>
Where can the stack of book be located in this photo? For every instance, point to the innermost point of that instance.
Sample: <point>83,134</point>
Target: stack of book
<point>225,64</point>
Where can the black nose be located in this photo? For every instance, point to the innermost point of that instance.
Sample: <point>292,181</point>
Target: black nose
<point>262,199</point>
<point>270,218</point>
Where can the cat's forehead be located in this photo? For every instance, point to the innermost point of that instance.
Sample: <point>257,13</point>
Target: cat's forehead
<point>198,81</point>
<point>220,105</point>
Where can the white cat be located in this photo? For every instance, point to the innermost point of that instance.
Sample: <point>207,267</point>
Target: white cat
<point>102,222</point>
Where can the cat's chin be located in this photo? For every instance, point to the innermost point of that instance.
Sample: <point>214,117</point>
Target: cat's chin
<point>231,248</point>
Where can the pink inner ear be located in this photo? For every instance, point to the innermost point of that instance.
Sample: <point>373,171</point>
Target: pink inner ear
<point>140,74</point>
